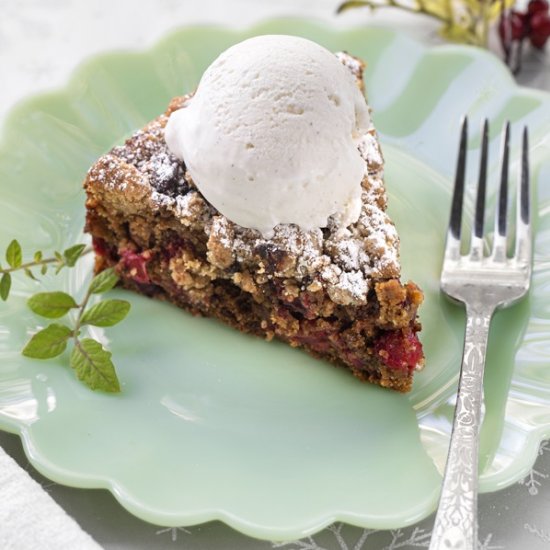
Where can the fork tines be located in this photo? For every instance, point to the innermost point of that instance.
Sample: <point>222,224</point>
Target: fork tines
<point>523,233</point>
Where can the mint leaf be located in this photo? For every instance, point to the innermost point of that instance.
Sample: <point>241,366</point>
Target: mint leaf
<point>49,342</point>
<point>104,281</point>
<point>5,285</point>
<point>106,313</point>
<point>51,304</point>
<point>72,254</point>
<point>14,256</point>
<point>93,366</point>
<point>30,274</point>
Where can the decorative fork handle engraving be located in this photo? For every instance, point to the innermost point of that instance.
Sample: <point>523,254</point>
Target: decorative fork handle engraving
<point>456,521</point>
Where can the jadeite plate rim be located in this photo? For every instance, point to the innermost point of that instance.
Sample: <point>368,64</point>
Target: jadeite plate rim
<point>241,524</point>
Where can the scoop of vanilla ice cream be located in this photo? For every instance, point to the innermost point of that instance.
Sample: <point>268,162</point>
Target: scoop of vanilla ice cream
<point>270,135</point>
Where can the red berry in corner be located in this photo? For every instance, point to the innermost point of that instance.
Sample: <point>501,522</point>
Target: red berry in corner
<point>399,349</point>
<point>536,6</point>
<point>513,26</point>
<point>540,29</point>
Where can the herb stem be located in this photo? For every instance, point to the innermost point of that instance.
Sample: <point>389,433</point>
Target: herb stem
<point>419,7</point>
<point>81,308</point>
<point>483,34</point>
<point>45,261</point>
<point>29,264</point>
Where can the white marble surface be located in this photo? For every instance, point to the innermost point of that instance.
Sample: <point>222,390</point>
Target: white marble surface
<point>40,44</point>
<point>42,41</point>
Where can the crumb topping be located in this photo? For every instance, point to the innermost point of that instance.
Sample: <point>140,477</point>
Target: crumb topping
<point>354,64</point>
<point>345,262</point>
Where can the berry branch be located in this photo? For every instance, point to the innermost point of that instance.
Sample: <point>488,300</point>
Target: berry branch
<point>516,27</point>
<point>469,21</point>
<point>465,21</point>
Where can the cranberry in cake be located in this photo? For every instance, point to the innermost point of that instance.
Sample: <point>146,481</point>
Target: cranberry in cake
<point>202,209</point>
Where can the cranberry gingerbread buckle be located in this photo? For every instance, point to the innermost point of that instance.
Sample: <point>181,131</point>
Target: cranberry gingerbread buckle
<point>282,235</point>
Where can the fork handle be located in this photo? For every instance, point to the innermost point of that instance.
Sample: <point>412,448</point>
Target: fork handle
<point>456,520</point>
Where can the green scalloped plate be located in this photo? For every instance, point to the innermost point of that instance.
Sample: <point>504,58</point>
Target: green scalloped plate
<point>212,424</point>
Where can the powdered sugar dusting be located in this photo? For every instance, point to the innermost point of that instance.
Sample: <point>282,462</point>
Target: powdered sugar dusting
<point>353,286</point>
<point>351,253</point>
<point>370,150</point>
<point>354,64</point>
<point>163,166</point>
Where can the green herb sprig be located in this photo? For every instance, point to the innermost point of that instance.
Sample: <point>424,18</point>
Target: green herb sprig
<point>89,359</point>
<point>14,258</point>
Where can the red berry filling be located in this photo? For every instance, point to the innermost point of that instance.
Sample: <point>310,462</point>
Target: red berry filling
<point>399,349</point>
<point>103,250</point>
<point>136,265</point>
<point>317,341</point>
<point>100,246</point>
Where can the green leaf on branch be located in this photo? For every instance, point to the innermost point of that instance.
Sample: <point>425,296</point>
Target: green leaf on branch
<point>30,274</point>
<point>106,313</point>
<point>51,304</point>
<point>93,366</point>
<point>14,255</point>
<point>104,281</point>
<point>49,342</point>
<point>344,6</point>
<point>72,254</point>
<point>5,285</point>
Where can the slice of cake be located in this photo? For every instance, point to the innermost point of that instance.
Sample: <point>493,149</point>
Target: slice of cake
<point>332,290</point>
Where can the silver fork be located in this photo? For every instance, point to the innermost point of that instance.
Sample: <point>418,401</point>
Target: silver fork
<point>483,284</point>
